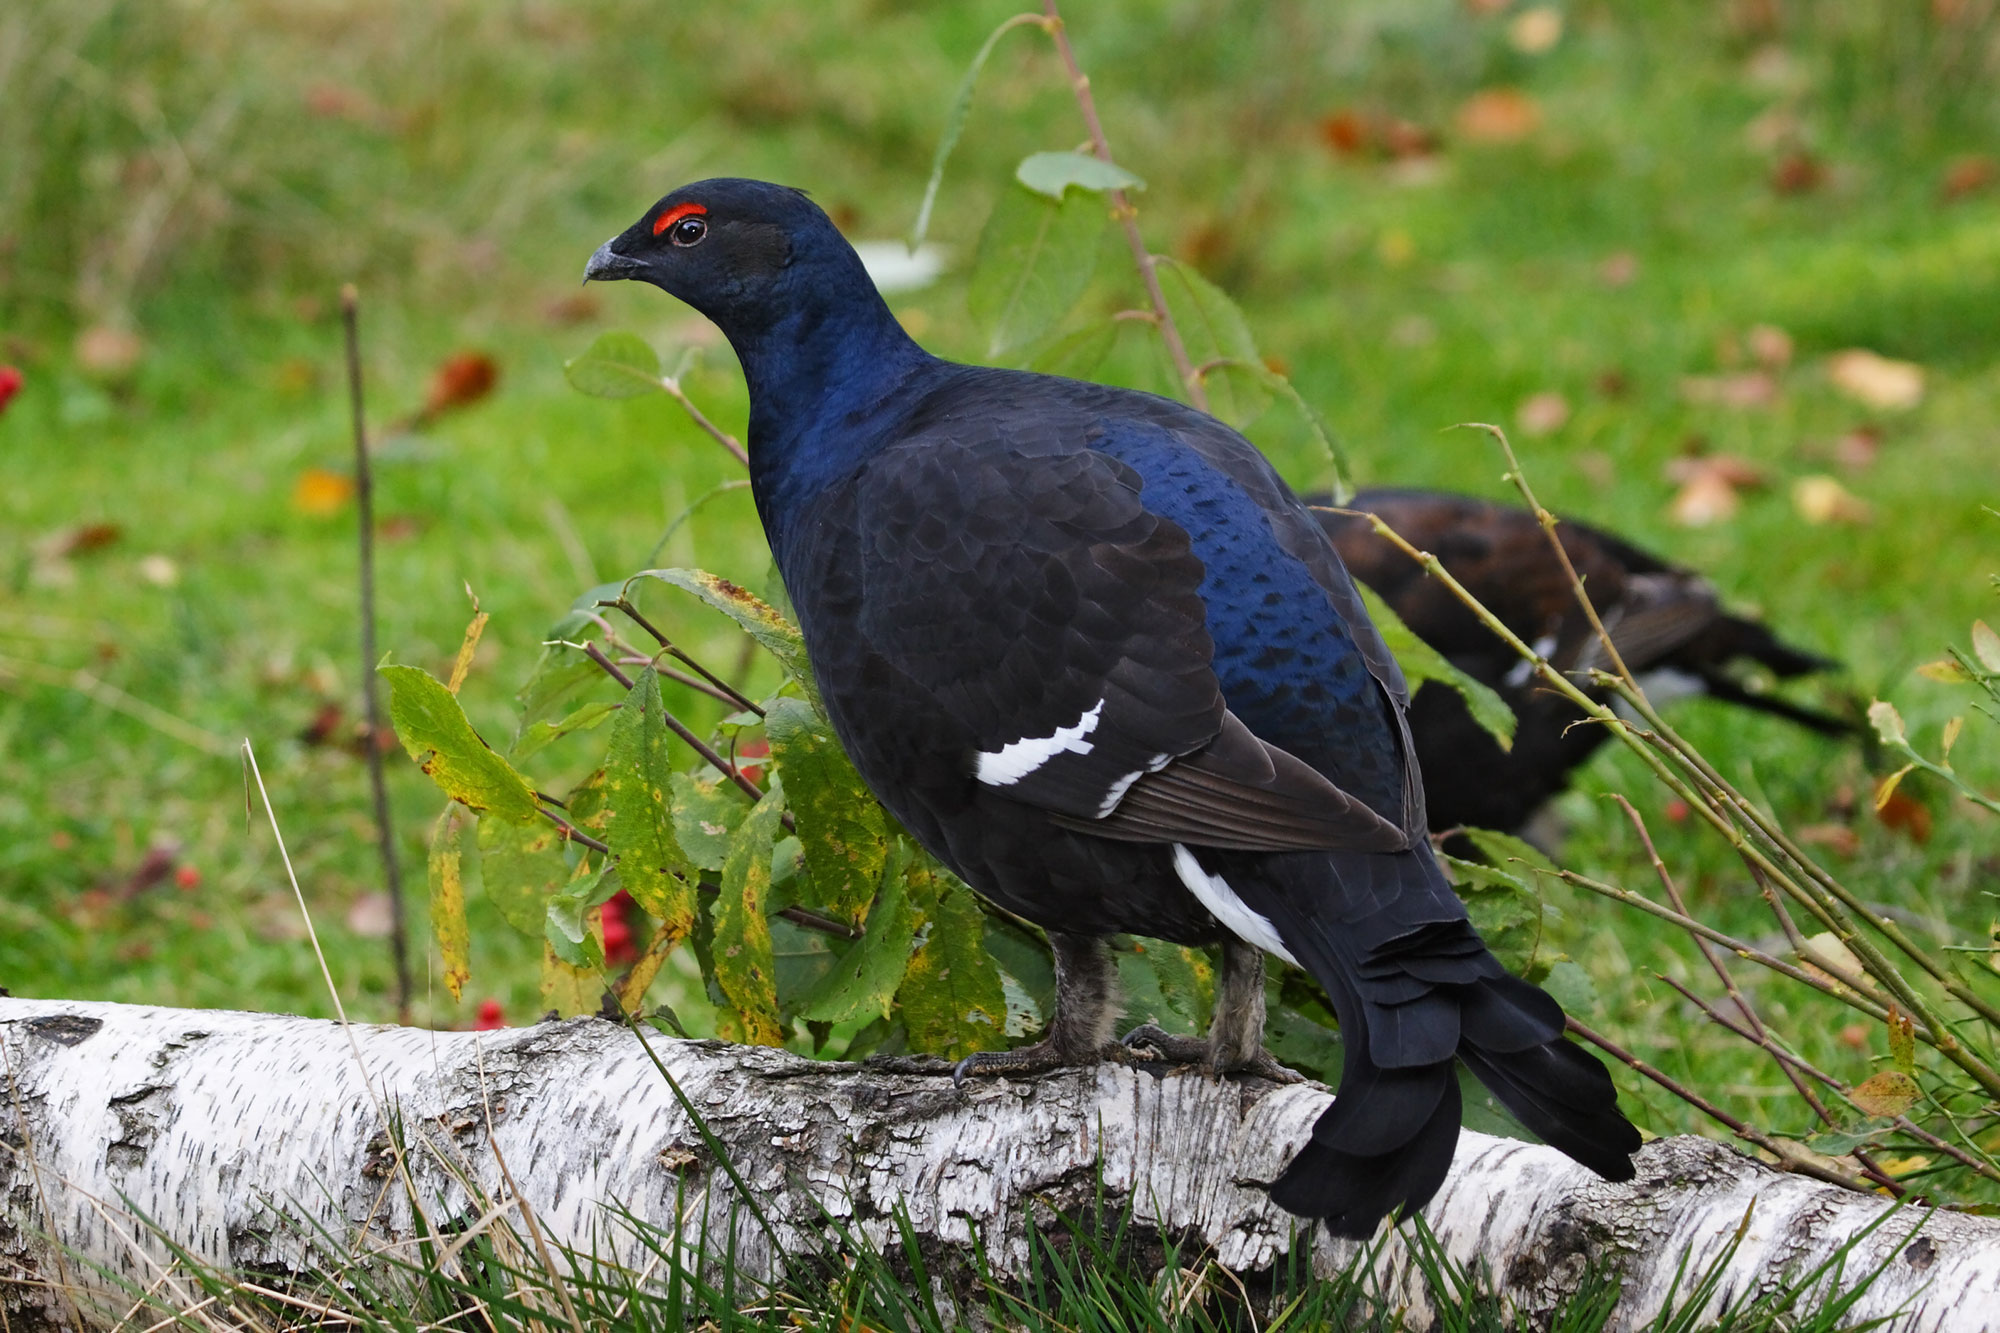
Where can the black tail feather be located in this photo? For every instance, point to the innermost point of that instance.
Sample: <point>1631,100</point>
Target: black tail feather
<point>1350,1176</point>
<point>1413,986</point>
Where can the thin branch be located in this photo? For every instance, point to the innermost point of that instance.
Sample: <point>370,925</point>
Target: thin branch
<point>1127,215</point>
<point>364,503</point>
<point>680,729</point>
<point>729,693</point>
<point>1790,1156</point>
<point>722,437</point>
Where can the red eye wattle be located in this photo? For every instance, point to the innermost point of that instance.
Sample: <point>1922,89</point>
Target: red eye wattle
<point>675,214</point>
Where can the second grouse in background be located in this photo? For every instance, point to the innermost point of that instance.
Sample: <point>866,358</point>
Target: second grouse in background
<point>1666,621</point>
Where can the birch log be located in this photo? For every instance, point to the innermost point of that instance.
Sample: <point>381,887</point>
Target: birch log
<point>228,1129</point>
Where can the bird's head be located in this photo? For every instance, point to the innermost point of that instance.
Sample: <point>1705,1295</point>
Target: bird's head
<point>742,252</point>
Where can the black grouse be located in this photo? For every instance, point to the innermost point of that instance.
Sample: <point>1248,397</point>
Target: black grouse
<point>1667,622</point>
<point>1095,656</point>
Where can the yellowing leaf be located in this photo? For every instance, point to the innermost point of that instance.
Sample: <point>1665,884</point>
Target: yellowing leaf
<point>1945,670</point>
<point>433,728</point>
<point>841,828</point>
<point>778,636</point>
<point>454,937</point>
<point>1499,115</point>
<point>521,866</point>
<point>1888,723</point>
<point>1986,645</point>
<point>463,663</point>
<point>638,778</point>
<point>1887,787</point>
<point>1950,737</point>
<point>744,969</point>
<point>1889,1093</point>
<point>1822,499</point>
<point>953,1002</point>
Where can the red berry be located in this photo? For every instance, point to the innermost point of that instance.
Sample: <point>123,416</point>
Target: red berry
<point>187,877</point>
<point>490,1018</point>
<point>612,918</point>
<point>10,384</point>
<point>1677,811</point>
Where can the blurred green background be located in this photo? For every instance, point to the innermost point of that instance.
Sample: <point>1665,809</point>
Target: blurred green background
<point>1640,236</point>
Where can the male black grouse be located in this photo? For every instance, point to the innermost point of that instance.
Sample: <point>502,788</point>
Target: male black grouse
<point>1095,656</point>
<point>1667,622</point>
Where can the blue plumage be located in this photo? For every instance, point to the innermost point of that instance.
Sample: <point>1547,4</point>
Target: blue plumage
<point>1090,650</point>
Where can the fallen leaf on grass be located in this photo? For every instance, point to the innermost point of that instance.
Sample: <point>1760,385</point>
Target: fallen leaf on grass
<point>106,352</point>
<point>1542,413</point>
<point>1857,448</point>
<point>1821,499</point>
<point>1536,30</point>
<point>320,493</point>
<point>1905,814</point>
<point>159,570</point>
<point>1969,175</point>
<point>1769,345</point>
<point>1498,116</point>
<point>1835,837</point>
<point>1750,388</point>
<point>371,916</point>
<point>1618,269</point>
<point>460,381</point>
<point>1876,381</point>
<point>79,540</point>
<point>573,308</point>
<point>1709,486</point>
<point>1798,173</point>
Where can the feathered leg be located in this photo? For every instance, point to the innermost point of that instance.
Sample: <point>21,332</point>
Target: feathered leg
<point>1235,1043</point>
<point>1079,1031</point>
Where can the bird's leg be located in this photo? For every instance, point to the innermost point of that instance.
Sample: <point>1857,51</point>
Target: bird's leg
<point>1079,1032</point>
<point>1235,1042</point>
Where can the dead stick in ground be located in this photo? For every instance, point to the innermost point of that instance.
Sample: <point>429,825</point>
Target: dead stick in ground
<point>364,502</point>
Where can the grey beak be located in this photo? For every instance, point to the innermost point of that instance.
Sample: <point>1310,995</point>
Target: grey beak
<point>607,265</point>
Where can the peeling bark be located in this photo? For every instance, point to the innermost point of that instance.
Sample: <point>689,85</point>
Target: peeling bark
<point>226,1129</point>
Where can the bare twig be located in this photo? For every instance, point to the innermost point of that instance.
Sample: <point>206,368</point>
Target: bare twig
<point>672,384</point>
<point>1127,215</point>
<point>728,693</point>
<point>680,729</point>
<point>1790,1156</point>
<point>364,502</point>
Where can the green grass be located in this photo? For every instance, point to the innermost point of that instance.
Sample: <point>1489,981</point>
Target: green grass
<point>472,160</point>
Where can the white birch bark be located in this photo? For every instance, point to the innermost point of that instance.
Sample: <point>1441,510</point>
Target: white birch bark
<point>226,1128</point>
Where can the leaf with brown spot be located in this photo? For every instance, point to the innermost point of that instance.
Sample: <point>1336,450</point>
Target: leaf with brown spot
<point>1888,1094</point>
<point>744,969</point>
<point>433,728</point>
<point>638,777</point>
<point>454,937</point>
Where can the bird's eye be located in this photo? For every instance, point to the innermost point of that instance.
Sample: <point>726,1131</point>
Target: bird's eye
<point>688,231</point>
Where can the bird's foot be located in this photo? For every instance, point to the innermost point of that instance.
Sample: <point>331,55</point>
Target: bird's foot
<point>1048,1054</point>
<point>1151,1042</point>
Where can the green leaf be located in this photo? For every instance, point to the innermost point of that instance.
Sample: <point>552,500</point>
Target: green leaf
<point>558,673</point>
<point>585,717</point>
<point>522,867</point>
<point>1504,909</point>
<point>638,781</point>
<point>841,827</point>
<point>1214,330</point>
<point>1421,663</point>
<point>779,636</point>
<point>1503,849</point>
<point>432,727</point>
<point>454,937</point>
<point>1571,987</point>
<point>1078,354</point>
<point>744,968</point>
<point>1035,259</point>
<point>566,926</point>
<point>951,997</point>
<point>1052,174</point>
<point>617,365</point>
<point>864,979</point>
<point>954,121</point>
<point>706,817</point>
